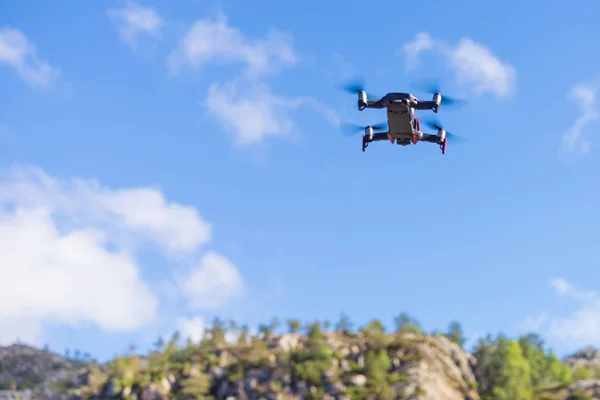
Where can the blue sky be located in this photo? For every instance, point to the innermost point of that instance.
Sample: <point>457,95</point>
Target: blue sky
<point>163,164</point>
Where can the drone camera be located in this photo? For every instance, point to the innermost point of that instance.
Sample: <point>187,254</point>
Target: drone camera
<point>362,100</point>
<point>369,133</point>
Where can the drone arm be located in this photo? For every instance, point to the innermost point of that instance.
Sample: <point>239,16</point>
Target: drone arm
<point>428,137</point>
<point>426,105</point>
<point>375,104</point>
<point>380,136</point>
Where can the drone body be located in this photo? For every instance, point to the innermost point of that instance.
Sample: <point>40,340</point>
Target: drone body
<point>403,123</point>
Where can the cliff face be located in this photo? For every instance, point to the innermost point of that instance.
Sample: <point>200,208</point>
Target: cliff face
<point>443,370</point>
<point>290,366</point>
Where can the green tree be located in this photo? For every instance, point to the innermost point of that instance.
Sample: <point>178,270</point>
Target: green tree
<point>159,344</point>
<point>375,332</point>
<point>275,323</point>
<point>195,387</point>
<point>314,330</point>
<point>232,326</point>
<point>265,330</point>
<point>582,372</point>
<point>377,365</point>
<point>406,324</point>
<point>556,371</point>
<point>218,330</point>
<point>532,348</point>
<point>174,341</point>
<point>455,333</point>
<point>375,327</point>
<point>344,325</point>
<point>514,378</point>
<point>244,335</point>
<point>489,354</point>
<point>294,325</point>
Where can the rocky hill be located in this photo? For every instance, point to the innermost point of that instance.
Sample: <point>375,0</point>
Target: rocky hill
<point>369,364</point>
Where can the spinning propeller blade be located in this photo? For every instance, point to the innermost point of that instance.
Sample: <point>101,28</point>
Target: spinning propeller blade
<point>432,87</point>
<point>351,129</point>
<point>355,86</point>
<point>451,136</point>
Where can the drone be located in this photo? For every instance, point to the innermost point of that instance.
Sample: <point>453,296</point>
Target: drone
<point>403,125</point>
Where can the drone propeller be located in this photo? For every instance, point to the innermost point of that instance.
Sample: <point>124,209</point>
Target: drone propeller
<point>352,129</point>
<point>437,126</point>
<point>433,87</point>
<point>355,86</point>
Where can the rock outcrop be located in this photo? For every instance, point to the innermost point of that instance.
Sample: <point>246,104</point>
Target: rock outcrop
<point>588,356</point>
<point>30,373</point>
<point>415,366</point>
<point>290,366</point>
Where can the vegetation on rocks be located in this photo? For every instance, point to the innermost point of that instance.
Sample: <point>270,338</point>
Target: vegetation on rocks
<point>311,362</point>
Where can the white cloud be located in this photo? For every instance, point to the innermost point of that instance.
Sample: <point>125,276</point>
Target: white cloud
<point>412,50</point>
<point>581,327</point>
<point>474,64</point>
<point>232,337</point>
<point>585,96</point>
<point>23,329</point>
<point>251,113</point>
<point>534,323</point>
<point>192,328</point>
<point>140,214</point>
<point>19,53</point>
<point>560,285</point>
<point>69,254</point>
<point>563,287</point>
<point>217,41</point>
<point>133,20</point>
<point>214,281</point>
<point>195,328</point>
<point>244,106</point>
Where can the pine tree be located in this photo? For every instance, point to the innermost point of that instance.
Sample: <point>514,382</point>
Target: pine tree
<point>455,333</point>
<point>514,375</point>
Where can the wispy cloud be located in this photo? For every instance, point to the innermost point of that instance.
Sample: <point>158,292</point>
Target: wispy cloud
<point>585,97</point>
<point>250,112</point>
<point>581,327</point>
<point>245,105</point>
<point>412,50</point>
<point>475,65</point>
<point>18,52</point>
<point>533,323</point>
<point>214,40</point>
<point>134,20</point>
<point>212,282</point>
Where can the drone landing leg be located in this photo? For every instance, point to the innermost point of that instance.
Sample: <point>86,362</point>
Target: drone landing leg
<point>376,137</point>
